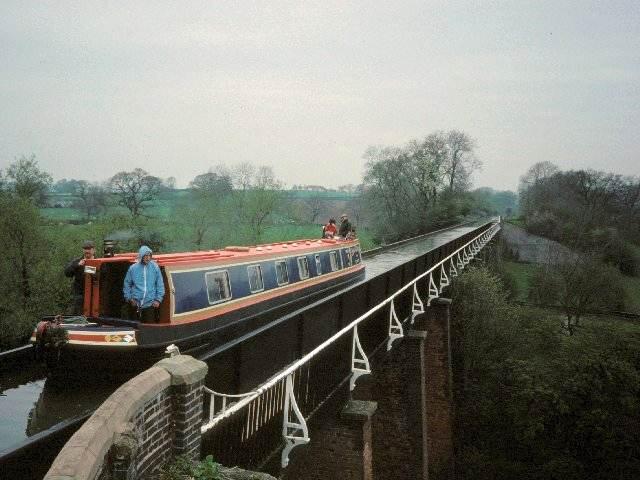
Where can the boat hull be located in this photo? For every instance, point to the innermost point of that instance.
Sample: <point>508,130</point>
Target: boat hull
<point>123,347</point>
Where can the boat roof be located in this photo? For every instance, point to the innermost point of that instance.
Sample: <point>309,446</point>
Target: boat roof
<point>232,252</point>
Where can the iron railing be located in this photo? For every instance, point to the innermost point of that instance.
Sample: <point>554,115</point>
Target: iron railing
<point>249,425</point>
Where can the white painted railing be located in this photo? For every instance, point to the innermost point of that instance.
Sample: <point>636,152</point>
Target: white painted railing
<point>276,396</point>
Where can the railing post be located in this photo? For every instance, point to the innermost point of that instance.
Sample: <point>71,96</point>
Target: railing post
<point>417,306</point>
<point>295,432</point>
<point>359,361</point>
<point>453,272</point>
<point>433,290</point>
<point>395,327</point>
<point>444,280</point>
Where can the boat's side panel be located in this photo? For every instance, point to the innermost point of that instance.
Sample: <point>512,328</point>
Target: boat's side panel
<point>215,324</point>
<point>191,301</point>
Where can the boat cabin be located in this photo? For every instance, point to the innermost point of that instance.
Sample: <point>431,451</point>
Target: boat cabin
<point>201,285</point>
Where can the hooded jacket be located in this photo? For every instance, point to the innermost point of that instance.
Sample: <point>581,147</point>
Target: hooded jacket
<point>143,283</point>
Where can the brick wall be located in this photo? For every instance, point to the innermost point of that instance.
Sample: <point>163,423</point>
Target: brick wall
<point>340,446</point>
<point>148,420</point>
<point>153,426</point>
<point>398,425</point>
<point>439,405</point>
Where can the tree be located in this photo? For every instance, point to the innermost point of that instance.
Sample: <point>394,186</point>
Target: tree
<point>243,175</point>
<point>257,198</point>
<point>210,193</point>
<point>170,183</point>
<point>23,248</point>
<point>28,181</point>
<point>65,186</point>
<point>92,197</point>
<point>135,190</point>
<point>216,183</point>
<point>460,161</point>
<point>530,404</point>
<point>349,188</point>
<point>537,173</point>
<point>578,283</point>
<point>355,205</point>
<point>534,176</point>
<point>583,209</point>
<point>315,205</point>
<point>197,217</point>
<point>492,202</point>
<point>410,188</point>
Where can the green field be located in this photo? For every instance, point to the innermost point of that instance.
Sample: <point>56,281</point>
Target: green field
<point>69,224</point>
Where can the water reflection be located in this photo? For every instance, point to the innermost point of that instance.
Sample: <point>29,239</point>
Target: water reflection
<point>65,397</point>
<point>31,402</point>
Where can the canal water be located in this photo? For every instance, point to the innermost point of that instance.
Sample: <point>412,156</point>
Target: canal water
<point>31,401</point>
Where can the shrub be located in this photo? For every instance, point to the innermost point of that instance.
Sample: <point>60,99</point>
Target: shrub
<point>15,328</point>
<point>184,468</point>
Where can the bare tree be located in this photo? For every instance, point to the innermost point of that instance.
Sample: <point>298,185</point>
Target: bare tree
<point>407,188</point>
<point>135,190</point>
<point>92,197</point>
<point>315,205</point>
<point>579,283</point>
<point>170,183</point>
<point>356,205</point>
<point>460,161</point>
<point>243,175</point>
<point>429,162</point>
<point>536,173</point>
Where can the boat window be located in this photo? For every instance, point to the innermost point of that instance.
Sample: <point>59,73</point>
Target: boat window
<point>303,267</point>
<point>347,253</point>
<point>355,253</point>
<point>333,258</point>
<point>318,265</point>
<point>255,278</point>
<point>282,275</point>
<point>218,287</point>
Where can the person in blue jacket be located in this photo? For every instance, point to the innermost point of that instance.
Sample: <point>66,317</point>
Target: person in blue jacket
<point>143,287</point>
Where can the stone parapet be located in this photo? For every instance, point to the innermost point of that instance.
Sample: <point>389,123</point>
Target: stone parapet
<point>143,424</point>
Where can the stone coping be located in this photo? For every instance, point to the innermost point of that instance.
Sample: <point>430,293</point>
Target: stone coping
<point>84,453</point>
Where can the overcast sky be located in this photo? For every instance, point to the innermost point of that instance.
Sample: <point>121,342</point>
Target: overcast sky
<point>92,88</point>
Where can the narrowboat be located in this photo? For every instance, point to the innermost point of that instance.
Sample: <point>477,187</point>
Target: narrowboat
<point>211,297</point>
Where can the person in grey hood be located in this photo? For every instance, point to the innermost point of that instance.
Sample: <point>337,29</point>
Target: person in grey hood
<point>143,287</point>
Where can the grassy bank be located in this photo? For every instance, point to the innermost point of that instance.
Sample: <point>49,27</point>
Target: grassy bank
<point>522,273</point>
